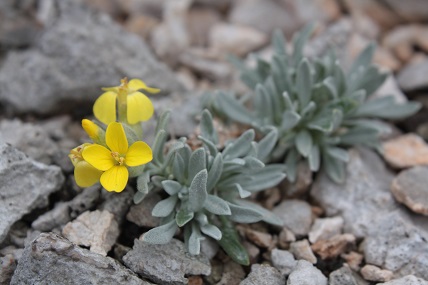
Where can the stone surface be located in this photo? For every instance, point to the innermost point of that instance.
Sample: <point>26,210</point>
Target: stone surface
<point>406,151</point>
<point>260,239</point>
<point>306,274</point>
<point>325,228</point>
<point>410,188</point>
<point>374,273</point>
<point>97,230</point>
<point>67,263</point>
<point>263,15</point>
<point>29,138</point>
<point>353,259</point>
<point>63,212</point>
<point>235,39</point>
<point>363,197</point>
<point>411,77</point>
<point>141,214</point>
<point>333,247</point>
<point>117,204</point>
<point>302,250</point>
<point>233,274</point>
<point>74,67</point>
<point>296,215</point>
<point>413,10</point>
<point>25,185</point>
<point>199,22</point>
<point>406,280</point>
<point>283,260</point>
<point>8,266</point>
<point>345,276</point>
<point>263,274</point>
<point>166,263</point>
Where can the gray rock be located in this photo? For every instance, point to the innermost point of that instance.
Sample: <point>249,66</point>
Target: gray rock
<point>8,265</point>
<point>97,230</point>
<point>263,274</point>
<point>362,198</point>
<point>262,15</point>
<point>233,274</point>
<point>117,203</point>
<point>394,240</point>
<point>283,260</point>
<point>296,215</point>
<point>405,151</point>
<point>406,280</point>
<point>25,185</point>
<point>29,138</point>
<point>345,276</point>
<point>63,212</point>
<point>67,263</point>
<point>77,54</point>
<point>166,263</point>
<point>325,228</point>
<point>141,214</point>
<point>413,10</point>
<point>410,188</point>
<point>306,274</point>
<point>411,78</point>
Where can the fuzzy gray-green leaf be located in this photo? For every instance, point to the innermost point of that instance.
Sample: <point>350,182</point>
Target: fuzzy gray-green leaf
<point>234,109</point>
<point>183,216</point>
<point>217,206</point>
<point>314,158</point>
<point>178,167</point>
<point>163,121</point>
<point>211,231</point>
<point>207,128</point>
<point>304,142</point>
<point>215,172</point>
<point>264,178</point>
<point>266,145</point>
<point>240,146</point>
<point>242,214</point>
<point>268,216</point>
<point>386,108</point>
<point>289,120</point>
<point>158,147</point>
<point>171,187</point>
<point>194,243</point>
<point>165,207</point>
<point>231,244</point>
<point>304,83</point>
<point>291,161</point>
<point>162,234</point>
<point>197,162</point>
<point>198,191</point>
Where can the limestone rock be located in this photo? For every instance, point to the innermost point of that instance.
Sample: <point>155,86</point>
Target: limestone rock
<point>296,215</point>
<point>406,280</point>
<point>345,276</point>
<point>97,230</point>
<point>305,273</point>
<point>283,260</point>
<point>410,188</point>
<point>165,263</point>
<point>333,247</point>
<point>68,264</point>
<point>374,273</point>
<point>25,185</point>
<point>406,151</point>
<point>411,78</point>
<point>8,265</point>
<point>325,228</point>
<point>263,274</point>
<point>302,250</point>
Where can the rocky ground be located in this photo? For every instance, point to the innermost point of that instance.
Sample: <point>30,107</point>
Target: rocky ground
<point>55,56</point>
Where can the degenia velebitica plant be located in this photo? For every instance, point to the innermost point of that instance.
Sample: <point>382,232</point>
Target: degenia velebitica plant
<point>317,108</point>
<point>206,187</point>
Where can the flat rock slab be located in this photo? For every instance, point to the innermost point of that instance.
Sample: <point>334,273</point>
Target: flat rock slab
<point>410,187</point>
<point>53,260</point>
<point>166,263</point>
<point>25,185</point>
<point>78,52</point>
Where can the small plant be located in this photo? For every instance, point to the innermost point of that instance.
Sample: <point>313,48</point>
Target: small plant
<point>205,187</point>
<point>317,109</point>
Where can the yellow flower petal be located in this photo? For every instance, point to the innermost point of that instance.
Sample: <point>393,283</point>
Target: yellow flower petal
<point>105,107</point>
<point>90,128</point>
<point>140,108</point>
<point>115,178</point>
<point>85,174</point>
<point>98,156</point>
<point>137,84</point>
<point>116,138</point>
<point>138,153</point>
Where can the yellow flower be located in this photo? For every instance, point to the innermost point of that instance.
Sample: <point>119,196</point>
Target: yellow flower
<point>116,159</point>
<point>85,174</point>
<point>133,106</point>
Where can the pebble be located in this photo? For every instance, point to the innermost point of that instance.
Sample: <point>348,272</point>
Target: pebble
<point>306,273</point>
<point>68,263</point>
<point>8,266</point>
<point>296,216</point>
<point>97,230</point>
<point>302,250</point>
<point>325,228</point>
<point>406,151</point>
<point>411,78</point>
<point>410,188</point>
<point>260,239</point>
<point>345,276</point>
<point>233,274</point>
<point>333,247</point>
<point>285,237</point>
<point>353,259</point>
<point>374,273</point>
<point>165,263</point>
<point>263,274</point>
<point>406,280</point>
<point>283,260</point>
<point>235,39</point>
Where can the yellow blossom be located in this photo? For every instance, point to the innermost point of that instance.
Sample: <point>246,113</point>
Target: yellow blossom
<point>116,159</point>
<point>96,133</point>
<point>85,174</point>
<point>133,106</point>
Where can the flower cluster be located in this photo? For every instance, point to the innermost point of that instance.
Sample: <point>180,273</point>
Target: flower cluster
<point>115,151</point>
